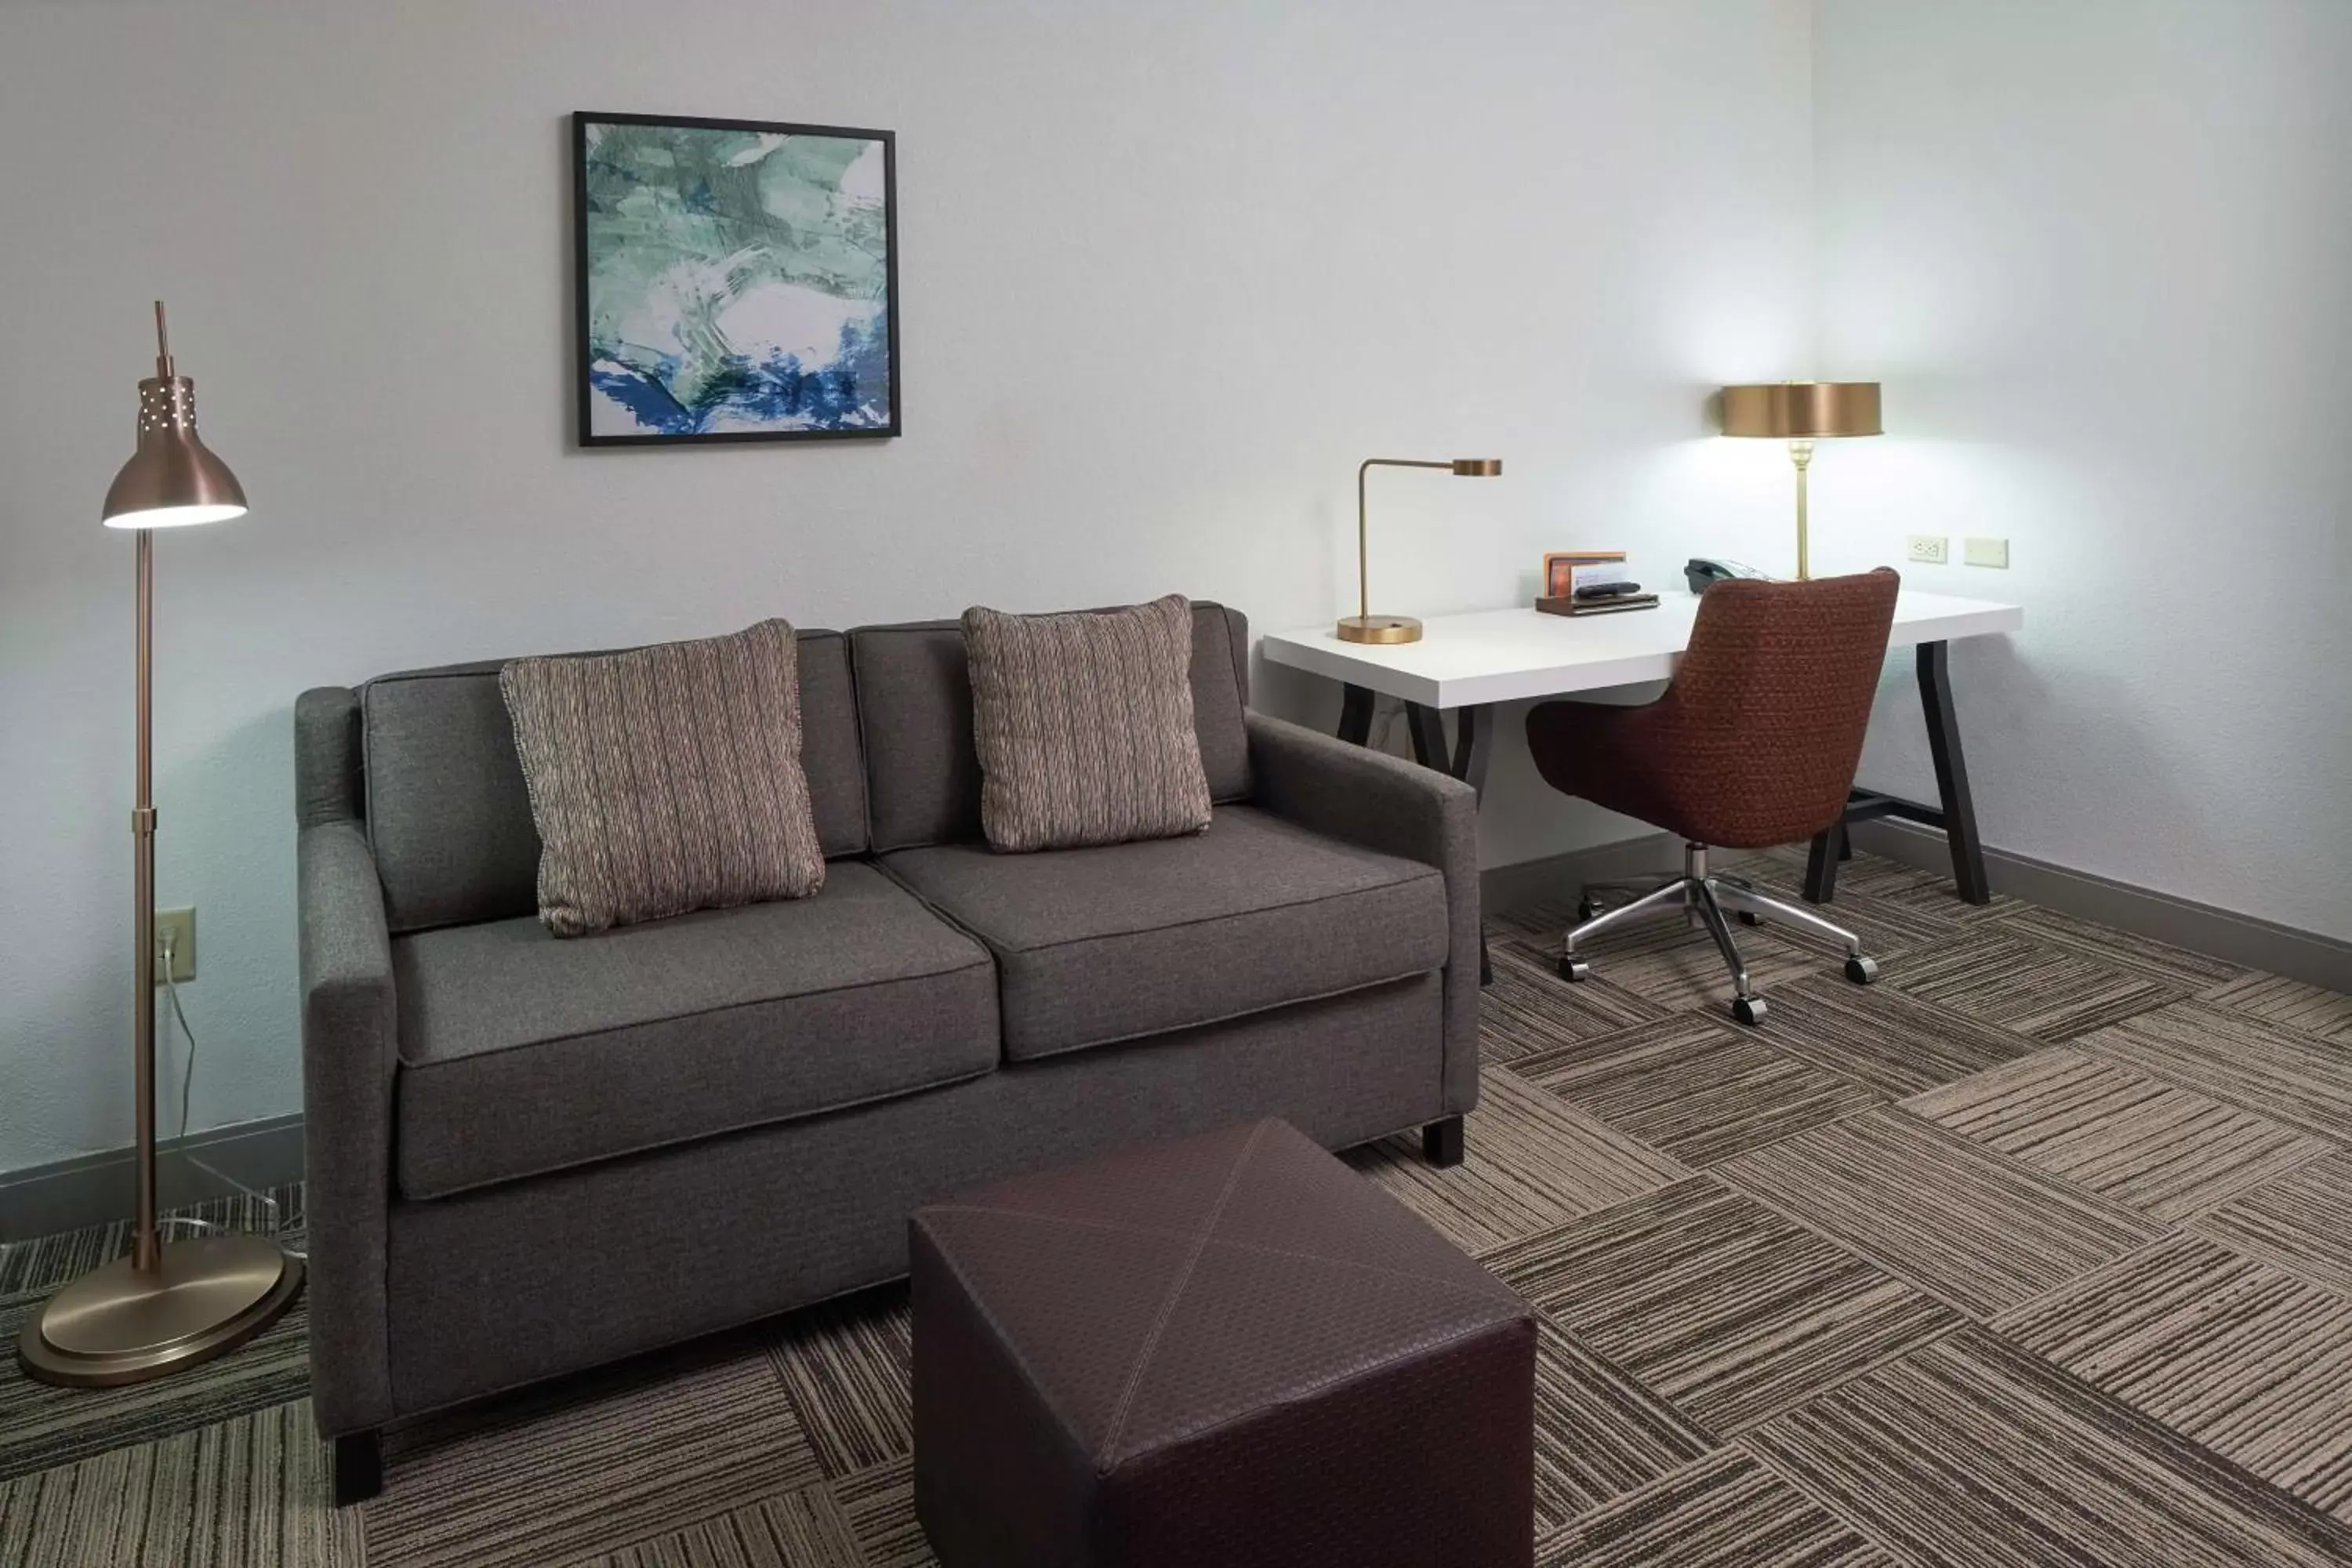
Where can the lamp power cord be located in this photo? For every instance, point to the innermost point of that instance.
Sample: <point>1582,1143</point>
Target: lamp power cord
<point>180,1142</point>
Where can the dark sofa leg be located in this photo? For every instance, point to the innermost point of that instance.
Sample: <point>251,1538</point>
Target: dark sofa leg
<point>358,1467</point>
<point>1443,1142</point>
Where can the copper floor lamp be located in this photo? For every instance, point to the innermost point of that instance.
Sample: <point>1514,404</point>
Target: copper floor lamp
<point>164,1307</point>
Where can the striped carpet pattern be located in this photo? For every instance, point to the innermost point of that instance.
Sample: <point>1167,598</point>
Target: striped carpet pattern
<point>2039,1251</point>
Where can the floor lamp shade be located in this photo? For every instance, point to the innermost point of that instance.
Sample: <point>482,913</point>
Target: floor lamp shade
<point>173,478</point>
<point>162,1307</point>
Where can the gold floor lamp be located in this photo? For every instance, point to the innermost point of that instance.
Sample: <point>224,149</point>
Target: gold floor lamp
<point>1800,412</point>
<point>164,1307</point>
<point>1364,625</point>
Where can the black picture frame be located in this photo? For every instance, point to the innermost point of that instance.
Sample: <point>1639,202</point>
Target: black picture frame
<point>582,385</point>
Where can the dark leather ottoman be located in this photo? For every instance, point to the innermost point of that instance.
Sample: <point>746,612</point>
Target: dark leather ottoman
<point>1230,1350</point>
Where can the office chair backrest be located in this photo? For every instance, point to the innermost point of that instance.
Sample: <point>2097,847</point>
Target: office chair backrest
<point>1778,682</point>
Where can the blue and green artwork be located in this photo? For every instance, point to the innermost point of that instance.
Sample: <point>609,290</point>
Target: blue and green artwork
<point>736,280</point>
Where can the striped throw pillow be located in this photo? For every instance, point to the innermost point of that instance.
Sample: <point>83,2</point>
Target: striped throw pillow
<point>1083,726</point>
<point>666,779</point>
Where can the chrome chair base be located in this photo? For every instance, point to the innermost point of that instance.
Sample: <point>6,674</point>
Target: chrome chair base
<point>1702,896</point>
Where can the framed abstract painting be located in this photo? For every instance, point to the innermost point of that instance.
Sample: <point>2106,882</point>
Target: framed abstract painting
<point>738,280</point>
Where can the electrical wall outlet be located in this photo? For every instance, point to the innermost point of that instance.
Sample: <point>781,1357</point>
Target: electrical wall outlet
<point>1929,547</point>
<point>178,927</point>
<point>1986,551</point>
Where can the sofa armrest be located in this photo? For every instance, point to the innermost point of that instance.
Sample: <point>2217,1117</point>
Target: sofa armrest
<point>1385,803</point>
<point>349,1054</point>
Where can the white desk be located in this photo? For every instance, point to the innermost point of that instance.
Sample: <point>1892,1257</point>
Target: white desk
<point>1469,662</point>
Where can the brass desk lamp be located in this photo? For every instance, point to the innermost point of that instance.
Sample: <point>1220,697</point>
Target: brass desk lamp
<point>163,1308</point>
<point>1799,412</point>
<point>1364,625</point>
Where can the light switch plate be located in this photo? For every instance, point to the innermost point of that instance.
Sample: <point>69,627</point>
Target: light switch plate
<point>1928,547</point>
<point>1986,551</point>
<point>180,925</point>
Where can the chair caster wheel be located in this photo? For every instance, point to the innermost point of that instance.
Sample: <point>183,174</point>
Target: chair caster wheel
<point>1575,970</point>
<point>1749,1010</point>
<point>1862,970</point>
<point>1749,918</point>
<point>1586,910</point>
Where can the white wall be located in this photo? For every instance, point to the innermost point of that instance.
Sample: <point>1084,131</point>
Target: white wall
<point>2101,255</point>
<point>1169,269</point>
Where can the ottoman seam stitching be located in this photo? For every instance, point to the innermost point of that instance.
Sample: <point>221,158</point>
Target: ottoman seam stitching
<point>1168,1306</point>
<point>1486,1288</point>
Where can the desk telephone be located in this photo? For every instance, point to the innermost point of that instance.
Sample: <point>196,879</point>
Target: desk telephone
<point>1702,570</point>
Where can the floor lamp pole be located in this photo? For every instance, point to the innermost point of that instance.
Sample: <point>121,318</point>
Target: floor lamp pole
<point>146,1250</point>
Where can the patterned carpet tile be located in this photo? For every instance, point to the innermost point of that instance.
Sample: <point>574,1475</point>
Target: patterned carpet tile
<point>2301,1223</point>
<point>1975,1227</point>
<point>1971,1453</point>
<point>2290,1077</point>
<point>2050,992</point>
<point>249,1492</point>
<point>2159,962</point>
<point>1535,1163</point>
<point>1718,1305</point>
<point>1725,1511</point>
<point>805,1528</point>
<point>847,1366</point>
<point>660,1447</point>
<point>2289,1004</point>
<point>2252,1362</point>
<point>41,1425</point>
<point>1598,1433</point>
<point>1882,1037</point>
<point>1698,1090</point>
<point>1528,1009</point>
<point>2167,1152</point>
<point>879,1504</point>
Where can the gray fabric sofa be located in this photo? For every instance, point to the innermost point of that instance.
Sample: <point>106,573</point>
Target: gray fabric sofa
<point>530,1156</point>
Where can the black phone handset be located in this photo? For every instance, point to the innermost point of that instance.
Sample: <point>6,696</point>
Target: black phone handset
<point>1704,570</point>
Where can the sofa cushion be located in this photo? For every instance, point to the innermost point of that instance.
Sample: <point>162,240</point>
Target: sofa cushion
<point>1103,944</point>
<point>520,1053</point>
<point>914,708</point>
<point>448,816</point>
<point>1083,721</point>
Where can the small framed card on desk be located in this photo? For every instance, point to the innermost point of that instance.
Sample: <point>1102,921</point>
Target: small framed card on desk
<point>1591,583</point>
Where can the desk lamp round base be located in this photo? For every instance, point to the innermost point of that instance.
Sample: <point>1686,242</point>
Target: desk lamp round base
<point>1380,629</point>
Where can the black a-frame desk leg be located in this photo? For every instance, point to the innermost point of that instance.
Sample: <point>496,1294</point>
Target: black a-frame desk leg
<point>1821,864</point>
<point>1959,811</point>
<point>1955,810</point>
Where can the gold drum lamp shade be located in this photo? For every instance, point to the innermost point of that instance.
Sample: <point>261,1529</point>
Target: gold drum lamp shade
<point>162,1307</point>
<point>1800,412</point>
<point>1363,626</point>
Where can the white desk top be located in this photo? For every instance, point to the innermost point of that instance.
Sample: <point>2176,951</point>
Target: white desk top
<point>1501,656</point>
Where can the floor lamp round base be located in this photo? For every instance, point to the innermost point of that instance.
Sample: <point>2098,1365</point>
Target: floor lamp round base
<point>117,1324</point>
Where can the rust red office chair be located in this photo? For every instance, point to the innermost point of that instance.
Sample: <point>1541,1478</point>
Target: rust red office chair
<point>1755,743</point>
